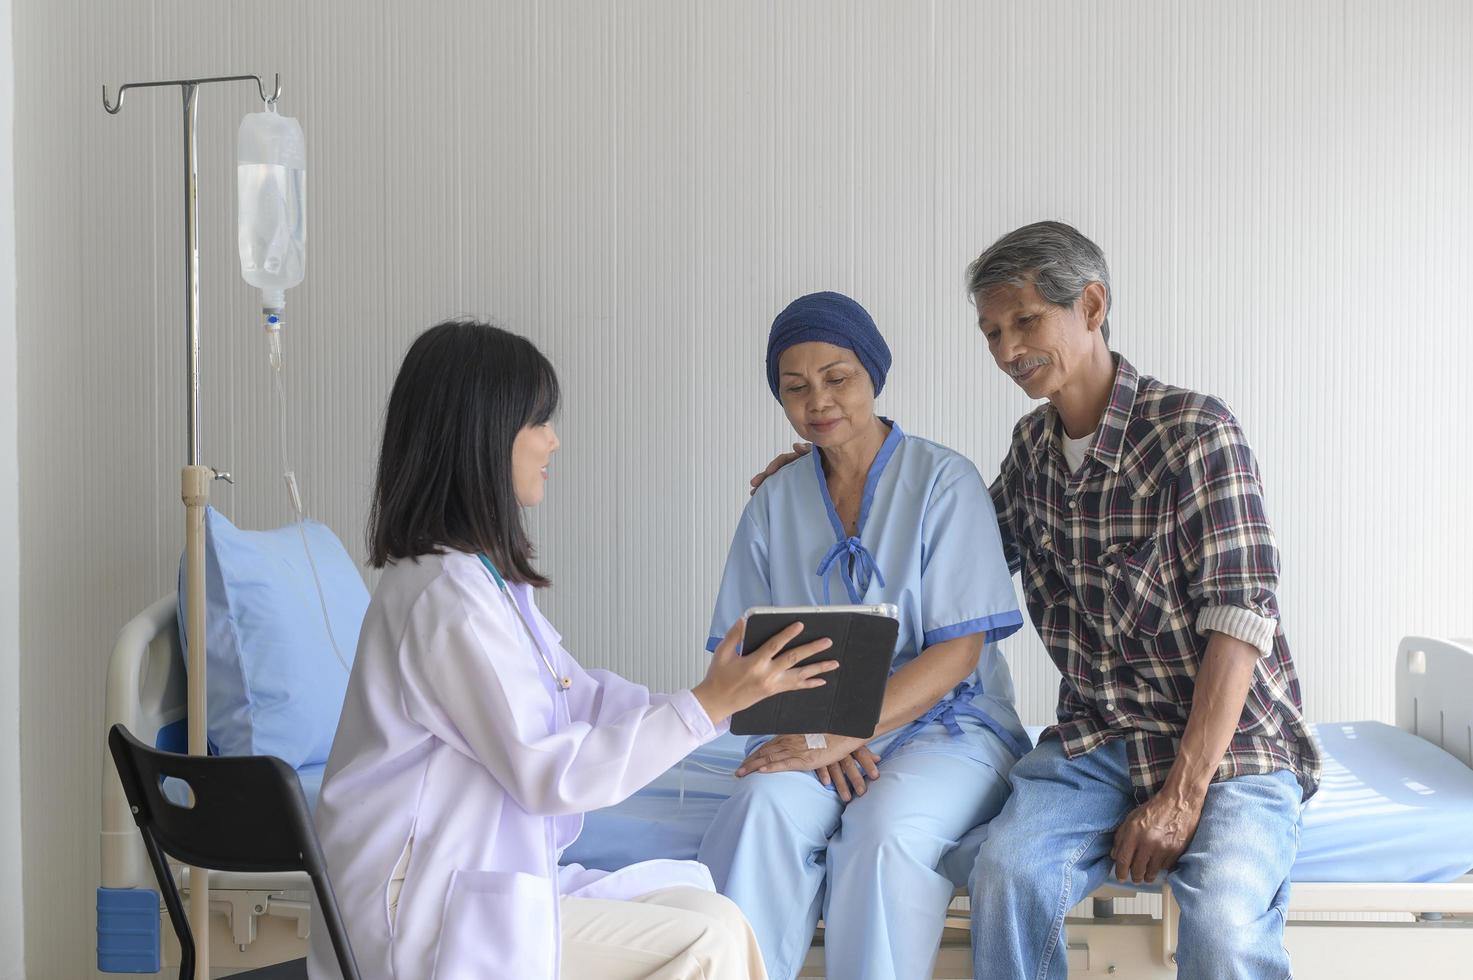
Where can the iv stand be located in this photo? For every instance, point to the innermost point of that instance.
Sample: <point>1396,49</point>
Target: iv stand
<point>194,478</point>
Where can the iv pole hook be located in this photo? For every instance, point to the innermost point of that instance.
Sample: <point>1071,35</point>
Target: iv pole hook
<point>260,87</point>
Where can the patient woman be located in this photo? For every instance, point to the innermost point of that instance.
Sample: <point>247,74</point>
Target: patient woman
<point>854,831</point>
<point>471,742</point>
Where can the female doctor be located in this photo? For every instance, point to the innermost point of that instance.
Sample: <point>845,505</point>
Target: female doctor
<point>471,743</point>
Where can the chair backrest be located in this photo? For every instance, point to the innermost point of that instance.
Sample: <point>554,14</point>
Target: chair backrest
<point>247,814</point>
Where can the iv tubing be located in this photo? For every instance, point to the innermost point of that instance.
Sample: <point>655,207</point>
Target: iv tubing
<point>294,495</point>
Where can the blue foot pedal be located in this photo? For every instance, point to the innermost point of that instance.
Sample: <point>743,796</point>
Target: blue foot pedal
<point>128,930</point>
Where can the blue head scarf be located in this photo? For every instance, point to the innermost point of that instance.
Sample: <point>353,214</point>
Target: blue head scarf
<point>830,318</point>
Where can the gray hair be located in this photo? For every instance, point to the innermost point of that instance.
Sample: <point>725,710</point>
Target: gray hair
<point>1053,256</point>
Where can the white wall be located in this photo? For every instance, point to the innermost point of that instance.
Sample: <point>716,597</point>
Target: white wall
<point>1281,189</point>
<point>12,931</point>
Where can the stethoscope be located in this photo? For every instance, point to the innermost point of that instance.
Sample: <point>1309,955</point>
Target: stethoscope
<point>563,683</point>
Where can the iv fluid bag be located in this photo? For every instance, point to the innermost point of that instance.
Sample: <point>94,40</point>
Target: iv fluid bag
<point>271,195</point>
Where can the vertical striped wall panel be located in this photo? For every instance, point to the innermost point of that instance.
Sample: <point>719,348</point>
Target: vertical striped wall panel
<point>639,186</point>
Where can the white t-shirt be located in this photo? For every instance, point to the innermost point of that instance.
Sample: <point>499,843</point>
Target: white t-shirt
<point>1074,449</point>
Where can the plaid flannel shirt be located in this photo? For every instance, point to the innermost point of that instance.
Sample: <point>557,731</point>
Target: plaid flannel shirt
<point>1130,563</point>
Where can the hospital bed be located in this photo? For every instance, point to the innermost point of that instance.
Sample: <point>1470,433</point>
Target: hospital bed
<point>1383,885</point>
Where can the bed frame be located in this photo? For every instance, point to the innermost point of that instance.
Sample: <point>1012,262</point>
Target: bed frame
<point>1335,929</point>
<point>255,919</point>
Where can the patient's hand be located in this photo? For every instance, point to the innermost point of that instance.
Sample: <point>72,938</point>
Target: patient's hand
<point>1154,835</point>
<point>847,776</point>
<point>849,758</point>
<point>800,449</point>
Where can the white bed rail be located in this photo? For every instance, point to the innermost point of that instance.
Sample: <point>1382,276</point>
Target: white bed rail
<point>1434,693</point>
<point>145,693</point>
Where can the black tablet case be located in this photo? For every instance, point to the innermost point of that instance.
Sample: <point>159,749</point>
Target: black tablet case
<point>849,704</point>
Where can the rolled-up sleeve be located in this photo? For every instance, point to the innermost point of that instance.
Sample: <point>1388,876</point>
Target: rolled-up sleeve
<point>1226,542</point>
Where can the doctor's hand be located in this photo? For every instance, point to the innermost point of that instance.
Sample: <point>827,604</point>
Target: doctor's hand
<point>800,449</point>
<point>734,681</point>
<point>1154,835</point>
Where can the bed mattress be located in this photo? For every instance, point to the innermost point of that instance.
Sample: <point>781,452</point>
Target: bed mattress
<point>1391,807</point>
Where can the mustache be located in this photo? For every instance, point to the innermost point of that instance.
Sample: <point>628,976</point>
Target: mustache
<point>1020,368</point>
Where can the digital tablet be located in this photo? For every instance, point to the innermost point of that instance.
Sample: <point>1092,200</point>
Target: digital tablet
<point>849,704</point>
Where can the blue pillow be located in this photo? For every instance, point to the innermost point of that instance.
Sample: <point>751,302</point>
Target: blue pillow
<point>274,685</point>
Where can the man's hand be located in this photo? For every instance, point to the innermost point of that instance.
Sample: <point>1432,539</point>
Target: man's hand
<point>1154,835</point>
<point>800,449</point>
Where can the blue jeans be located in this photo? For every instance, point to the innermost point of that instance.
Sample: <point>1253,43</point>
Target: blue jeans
<point>1050,847</point>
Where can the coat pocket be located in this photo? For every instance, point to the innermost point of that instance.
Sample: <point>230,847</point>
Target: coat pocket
<point>498,924</point>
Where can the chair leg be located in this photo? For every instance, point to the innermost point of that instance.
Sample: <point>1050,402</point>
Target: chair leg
<point>177,918</point>
<point>327,904</point>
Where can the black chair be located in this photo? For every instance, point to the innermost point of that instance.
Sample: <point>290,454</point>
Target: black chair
<point>249,815</point>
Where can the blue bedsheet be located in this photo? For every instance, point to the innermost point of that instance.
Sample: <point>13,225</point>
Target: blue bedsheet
<point>660,821</point>
<point>1391,807</point>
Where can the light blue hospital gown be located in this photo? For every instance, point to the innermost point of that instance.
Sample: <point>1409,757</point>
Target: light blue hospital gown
<point>784,847</point>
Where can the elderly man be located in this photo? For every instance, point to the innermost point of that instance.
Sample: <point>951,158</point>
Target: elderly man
<point>1134,511</point>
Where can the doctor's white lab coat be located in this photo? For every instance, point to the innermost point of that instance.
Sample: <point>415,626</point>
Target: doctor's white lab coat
<point>457,749</point>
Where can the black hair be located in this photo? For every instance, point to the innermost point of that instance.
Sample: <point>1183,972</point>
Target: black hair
<point>463,393</point>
